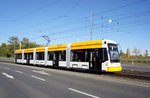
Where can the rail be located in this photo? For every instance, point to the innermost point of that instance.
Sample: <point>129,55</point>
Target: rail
<point>132,75</point>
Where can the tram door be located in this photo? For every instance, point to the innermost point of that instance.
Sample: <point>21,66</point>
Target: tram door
<point>95,60</point>
<point>56,59</point>
<point>28,58</point>
<point>16,58</point>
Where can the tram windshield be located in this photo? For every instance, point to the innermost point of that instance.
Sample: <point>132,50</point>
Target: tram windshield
<point>114,54</point>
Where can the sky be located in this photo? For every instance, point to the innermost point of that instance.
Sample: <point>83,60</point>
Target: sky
<point>65,21</point>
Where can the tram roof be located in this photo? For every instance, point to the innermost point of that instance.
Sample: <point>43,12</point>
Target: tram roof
<point>91,44</point>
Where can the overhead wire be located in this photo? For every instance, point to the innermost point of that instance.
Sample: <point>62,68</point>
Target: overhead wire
<point>122,6</point>
<point>68,11</point>
<point>37,10</point>
<point>126,5</point>
<point>73,29</point>
<point>76,4</point>
<point>129,4</point>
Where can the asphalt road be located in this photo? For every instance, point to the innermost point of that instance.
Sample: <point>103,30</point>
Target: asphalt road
<point>131,67</point>
<point>20,81</point>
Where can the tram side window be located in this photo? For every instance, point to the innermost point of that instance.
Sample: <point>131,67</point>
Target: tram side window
<point>62,56</point>
<point>78,55</point>
<point>28,56</point>
<point>40,55</point>
<point>19,56</point>
<point>87,55</point>
<point>25,56</point>
<point>50,55</point>
<point>31,56</point>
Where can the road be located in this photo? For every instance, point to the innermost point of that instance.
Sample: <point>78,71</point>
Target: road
<point>134,67</point>
<point>20,81</point>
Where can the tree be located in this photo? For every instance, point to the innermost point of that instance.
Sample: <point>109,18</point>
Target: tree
<point>122,54</point>
<point>146,55</point>
<point>7,50</point>
<point>128,53</point>
<point>33,45</point>
<point>137,55</point>
<point>4,51</point>
<point>25,43</point>
<point>13,44</point>
<point>136,52</point>
<point>13,40</point>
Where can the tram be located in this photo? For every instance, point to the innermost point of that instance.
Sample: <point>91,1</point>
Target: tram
<point>96,55</point>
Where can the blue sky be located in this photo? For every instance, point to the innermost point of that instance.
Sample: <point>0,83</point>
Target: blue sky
<point>66,21</point>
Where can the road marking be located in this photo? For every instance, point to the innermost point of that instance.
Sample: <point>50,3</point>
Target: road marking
<point>18,71</point>
<point>83,93</point>
<point>141,84</point>
<point>6,68</point>
<point>37,77</point>
<point>41,72</point>
<point>9,76</point>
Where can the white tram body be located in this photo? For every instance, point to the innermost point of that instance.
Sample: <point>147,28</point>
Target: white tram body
<point>98,55</point>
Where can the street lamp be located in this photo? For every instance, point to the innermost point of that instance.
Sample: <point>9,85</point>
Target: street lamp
<point>110,20</point>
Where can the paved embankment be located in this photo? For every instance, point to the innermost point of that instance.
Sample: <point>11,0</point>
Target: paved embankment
<point>8,60</point>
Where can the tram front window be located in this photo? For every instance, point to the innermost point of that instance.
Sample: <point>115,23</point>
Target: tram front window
<point>114,54</point>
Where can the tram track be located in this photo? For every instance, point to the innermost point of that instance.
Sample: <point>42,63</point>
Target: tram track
<point>132,75</point>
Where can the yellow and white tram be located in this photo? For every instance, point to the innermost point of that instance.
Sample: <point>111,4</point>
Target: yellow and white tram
<point>98,55</point>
